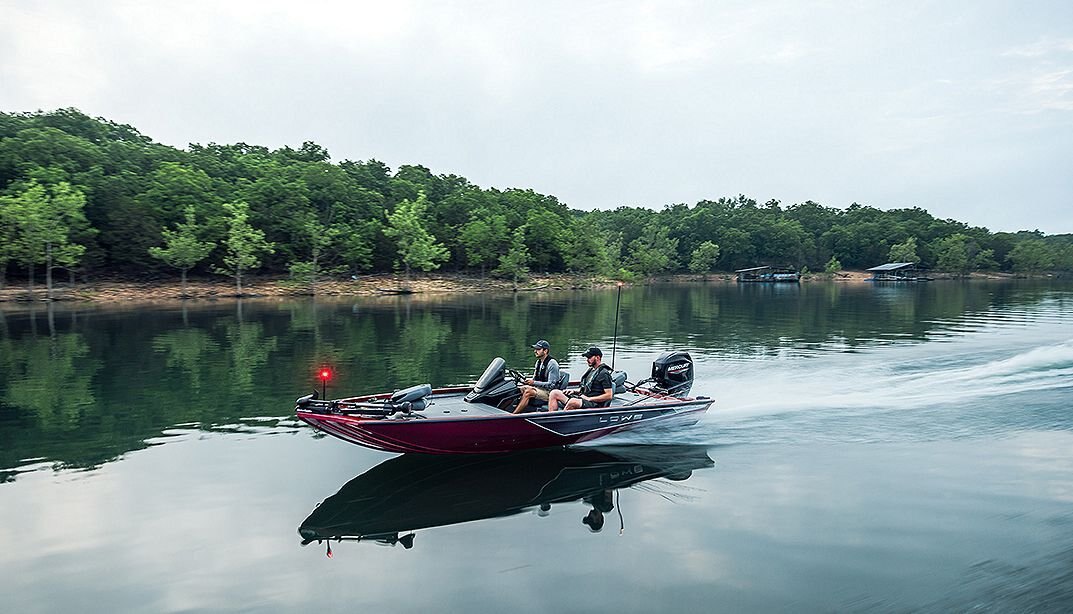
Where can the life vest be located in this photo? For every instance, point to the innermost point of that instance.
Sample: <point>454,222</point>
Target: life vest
<point>590,375</point>
<point>540,371</point>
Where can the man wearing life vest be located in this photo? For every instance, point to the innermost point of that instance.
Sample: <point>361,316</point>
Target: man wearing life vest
<point>545,377</point>
<point>596,390</point>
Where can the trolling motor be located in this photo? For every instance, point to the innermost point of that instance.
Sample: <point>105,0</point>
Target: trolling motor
<point>405,401</point>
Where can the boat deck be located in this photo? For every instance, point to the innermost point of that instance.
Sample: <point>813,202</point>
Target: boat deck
<point>451,403</point>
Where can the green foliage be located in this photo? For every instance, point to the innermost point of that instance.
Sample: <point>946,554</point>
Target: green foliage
<point>244,245</point>
<point>182,249</point>
<point>515,263</point>
<point>416,246</point>
<point>584,253</point>
<point>904,252</point>
<point>833,266</point>
<point>44,220</point>
<point>984,260</point>
<point>704,258</point>
<point>305,273</point>
<point>1031,256</point>
<point>653,252</point>
<point>952,254</point>
<point>357,215</point>
<point>482,236</point>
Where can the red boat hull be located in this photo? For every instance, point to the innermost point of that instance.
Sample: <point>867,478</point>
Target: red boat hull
<point>501,433</point>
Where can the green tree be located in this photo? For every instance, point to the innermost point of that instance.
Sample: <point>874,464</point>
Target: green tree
<point>515,263</point>
<point>45,218</point>
<point>482,237</point>
<point>8,236</point>
<point>584,253</point>
<point>319,237</point>
<point>1063,257</point>
<point>182,249</point>
<point>654,251</point>
<point>244,244</point>
<point>704,258</point>
<point>416,246</point>
<point>833,267</point>
<point>952,254</point>
<point>904,252</point>
<point>1031,256</point>
<point>543,236</point>
<point>984,260</point>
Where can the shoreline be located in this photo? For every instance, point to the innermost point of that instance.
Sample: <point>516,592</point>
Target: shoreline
<point>119,290</point>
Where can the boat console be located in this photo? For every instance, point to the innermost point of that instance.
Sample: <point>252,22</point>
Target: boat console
<point>493,387</point>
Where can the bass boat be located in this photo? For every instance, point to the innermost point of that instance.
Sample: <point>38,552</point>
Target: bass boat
<point>478,418</point>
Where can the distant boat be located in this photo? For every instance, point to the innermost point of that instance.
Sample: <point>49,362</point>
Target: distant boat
<point>769,274</point>
<point>395,290</point>
<point>897,271</point>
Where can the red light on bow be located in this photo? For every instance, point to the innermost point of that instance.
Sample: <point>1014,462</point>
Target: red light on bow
<point>324,374</point>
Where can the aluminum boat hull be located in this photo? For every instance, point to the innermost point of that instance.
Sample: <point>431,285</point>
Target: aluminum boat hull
<point>476,429</point>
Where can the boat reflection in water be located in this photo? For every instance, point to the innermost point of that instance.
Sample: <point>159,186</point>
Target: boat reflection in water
<point>411,492</point>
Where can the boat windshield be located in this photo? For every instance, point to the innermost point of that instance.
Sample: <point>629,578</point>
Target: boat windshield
<point>492,374</point>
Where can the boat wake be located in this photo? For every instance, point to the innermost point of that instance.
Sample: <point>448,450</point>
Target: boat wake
<point>889,393</point>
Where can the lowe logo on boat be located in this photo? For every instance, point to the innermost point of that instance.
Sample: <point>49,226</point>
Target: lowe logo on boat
<point>614,419</point>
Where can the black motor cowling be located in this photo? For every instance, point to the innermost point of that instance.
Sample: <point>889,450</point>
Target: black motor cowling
<point>673,372</point>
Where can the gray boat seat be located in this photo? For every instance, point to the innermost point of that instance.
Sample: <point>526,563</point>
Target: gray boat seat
<point>410,399</point>
<point>618,378</point>
<point>412,393</point>
<point>564,380</point>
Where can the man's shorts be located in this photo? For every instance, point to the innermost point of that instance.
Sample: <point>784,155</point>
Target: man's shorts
<point>540,393</point>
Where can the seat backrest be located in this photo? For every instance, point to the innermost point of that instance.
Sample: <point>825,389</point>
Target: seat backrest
<point>412,393</point>
<point>564,380</point>
<point>618,378</point>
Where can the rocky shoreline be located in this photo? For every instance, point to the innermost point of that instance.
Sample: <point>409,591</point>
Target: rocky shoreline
<point>167,289</point>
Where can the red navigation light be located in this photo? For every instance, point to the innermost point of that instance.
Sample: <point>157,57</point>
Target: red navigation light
<point>324,374</point>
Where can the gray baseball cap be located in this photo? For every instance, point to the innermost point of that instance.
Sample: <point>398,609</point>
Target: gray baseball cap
<point>542,344</point>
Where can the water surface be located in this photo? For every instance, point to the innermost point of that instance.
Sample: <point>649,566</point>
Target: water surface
<point>873,448</point>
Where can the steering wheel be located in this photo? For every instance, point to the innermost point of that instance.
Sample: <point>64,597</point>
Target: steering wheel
<point>516,376</point>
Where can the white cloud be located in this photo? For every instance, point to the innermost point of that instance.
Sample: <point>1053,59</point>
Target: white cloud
<point>1042,48</point>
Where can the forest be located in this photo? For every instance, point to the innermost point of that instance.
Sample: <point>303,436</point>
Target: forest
<point>86,197</point>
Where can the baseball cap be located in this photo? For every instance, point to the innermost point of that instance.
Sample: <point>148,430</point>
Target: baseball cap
<point>542,344</point>
<point>593,351</point>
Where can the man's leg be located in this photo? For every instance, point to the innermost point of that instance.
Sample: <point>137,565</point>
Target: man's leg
<point>574,403</point>
<point>556,397</point>
<point>527,394</point>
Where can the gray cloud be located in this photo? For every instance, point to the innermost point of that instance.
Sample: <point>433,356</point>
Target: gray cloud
<point>967,114</point>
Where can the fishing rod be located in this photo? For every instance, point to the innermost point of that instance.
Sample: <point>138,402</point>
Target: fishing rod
<point>614,342</point>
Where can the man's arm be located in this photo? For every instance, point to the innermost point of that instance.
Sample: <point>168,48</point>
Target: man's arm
<point>609,389</point>
<point>607,395</point>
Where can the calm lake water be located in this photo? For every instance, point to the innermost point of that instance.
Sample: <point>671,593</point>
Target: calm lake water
<point>873,448</point>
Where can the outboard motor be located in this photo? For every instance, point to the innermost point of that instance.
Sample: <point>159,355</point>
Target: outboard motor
<point>673,372</point>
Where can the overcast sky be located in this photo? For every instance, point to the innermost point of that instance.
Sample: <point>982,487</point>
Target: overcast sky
<point>962,108</point>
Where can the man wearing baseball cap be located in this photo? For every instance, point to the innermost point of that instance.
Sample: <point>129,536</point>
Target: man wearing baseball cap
<point>596,390</point>
<point>545,377</point>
